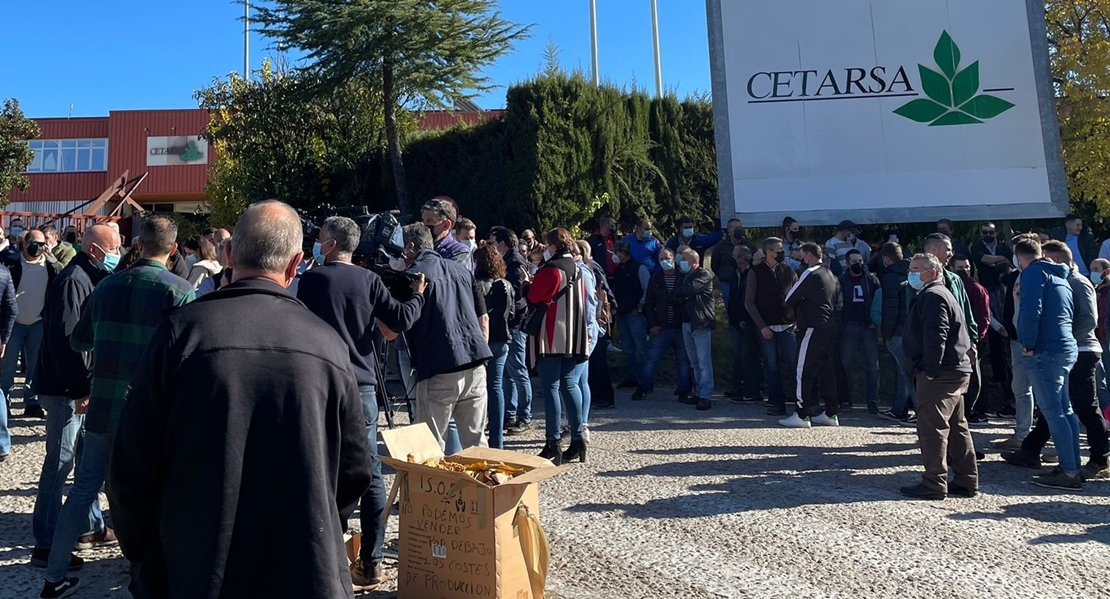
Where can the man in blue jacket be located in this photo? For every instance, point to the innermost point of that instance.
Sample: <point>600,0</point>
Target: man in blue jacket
<point>644,248</point>
<point>1049,352</point>
<point>687,236</point>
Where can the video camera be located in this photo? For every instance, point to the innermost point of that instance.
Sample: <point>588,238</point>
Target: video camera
<point>380,240</point>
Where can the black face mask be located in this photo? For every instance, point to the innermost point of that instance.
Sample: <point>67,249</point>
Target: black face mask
<point>34,249</point>
<point>71,238</point>
<point>780,256</point>
<point>988,238</point>
<point>796,234</point>
<point>964,274</point>
<point>857,269</point>
<point>738,235</point>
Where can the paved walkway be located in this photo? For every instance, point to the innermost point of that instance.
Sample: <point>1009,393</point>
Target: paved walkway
<point>684,504</point>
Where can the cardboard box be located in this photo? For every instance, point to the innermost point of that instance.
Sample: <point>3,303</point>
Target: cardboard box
<point>462,539</point>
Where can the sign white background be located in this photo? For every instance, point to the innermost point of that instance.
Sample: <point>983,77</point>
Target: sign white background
<point>855,158</point>
<point>157,144</point>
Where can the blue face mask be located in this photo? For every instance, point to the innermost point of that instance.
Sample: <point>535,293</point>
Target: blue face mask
<point>914,279</point>
<point>109,263</point>
<point>688,232</point>
<point>17,230</point>
<point>317,252</point>
<point>685,266</point>
<point>667,264</point>
<point>1096,278</point>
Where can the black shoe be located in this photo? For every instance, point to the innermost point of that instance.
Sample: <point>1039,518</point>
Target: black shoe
<point>704,404</point>
<point>689,400</point>
<point>35,411</point>
<point>1025,459</point>
<point>733,394</point>
<point>1094,471</point>
<point>639,395</point>
<point>846,407</point>
<point>552,451</point>
<point>609,405</point>
<point>1008,413</point>
<point>628,384</point>
<point>40,558</point>
<point>978,420</point>
<point>519,427</point>
<point>872,409</point>
<point>752,399</point>
<point>961,491</point>
<point>920,491</point>
<point>776,411</point>
<point>576,451</point>
<point>1059,480</point>
<point>682,396</point>
<point>980,456</point>
<point>63,588</point>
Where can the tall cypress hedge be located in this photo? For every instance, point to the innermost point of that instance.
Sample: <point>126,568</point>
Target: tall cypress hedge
<point>562,146</point>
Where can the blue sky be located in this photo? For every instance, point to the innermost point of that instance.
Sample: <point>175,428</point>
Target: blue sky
<point>138,54</point>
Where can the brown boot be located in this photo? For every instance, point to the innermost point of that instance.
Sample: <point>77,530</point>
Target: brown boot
<point>366,577</point>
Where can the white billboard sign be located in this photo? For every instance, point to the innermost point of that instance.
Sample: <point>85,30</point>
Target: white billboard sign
<point>884,111</point>
<point>176,150</point>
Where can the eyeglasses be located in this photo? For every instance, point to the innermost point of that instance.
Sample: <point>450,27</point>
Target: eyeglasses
<point>986,232</point>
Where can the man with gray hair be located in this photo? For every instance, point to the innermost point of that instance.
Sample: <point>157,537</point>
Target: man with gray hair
<point>243,435</point>
<point>448,344</point>
<point>351,300</point>
<point>936,342</point>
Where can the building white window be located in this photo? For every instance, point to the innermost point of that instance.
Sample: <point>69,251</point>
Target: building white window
<point>69,155</point>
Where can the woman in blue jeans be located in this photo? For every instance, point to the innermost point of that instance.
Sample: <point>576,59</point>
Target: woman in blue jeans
<point>489,277</point>
<point>561,342</point>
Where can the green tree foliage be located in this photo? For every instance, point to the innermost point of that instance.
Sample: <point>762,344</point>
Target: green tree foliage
<point>15,155</point>
<point>423,54</point>
<point>566,152</point>
<point>1079,45</point>
<point>273,139</point>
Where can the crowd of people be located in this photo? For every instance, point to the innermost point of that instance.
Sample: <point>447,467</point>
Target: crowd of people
<point>222,383</point>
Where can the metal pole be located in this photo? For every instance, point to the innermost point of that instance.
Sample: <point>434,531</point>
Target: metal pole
<point>655,35</point>
<point>593,42</point>
<point>246,39</point>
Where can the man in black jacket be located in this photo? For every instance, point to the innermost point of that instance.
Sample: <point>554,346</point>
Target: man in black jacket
<point>517,384</point>
<point>895,306</point>
<point>629,284</point>
<point>765,294</point>
<point>351,300</point>
<point>748,375</point>
<point>63,379</point>
<point>664,321</point>
<point>816,299</point>
<point>859,333</point>
<point>242,445</point>
<point>33,270</point>
<point>936,344</point>
<point>699,318</point>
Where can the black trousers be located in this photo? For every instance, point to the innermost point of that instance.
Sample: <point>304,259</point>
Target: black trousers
<point>1001,365</point>
<point>601,386</point>
<point>816,366</point>
<point>1082,391</point>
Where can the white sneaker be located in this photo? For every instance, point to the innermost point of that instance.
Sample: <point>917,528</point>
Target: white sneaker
<point>795,421</point>
<point>823,420</point>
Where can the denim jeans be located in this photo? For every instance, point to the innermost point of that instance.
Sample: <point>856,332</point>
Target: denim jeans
<point>1048,374</point>
<point>64,429</point>
<point>26,340</point>
<point>699,347</point>
<point>905,394</point>
<point>726,291</point>
<point>666,339</point>
<point>861,337</point>
<point>85,493</point>
<point>495,372</point>
<point>517,383</point>
<point>634,335</point>
<point>372,506</point>
<point>1023,393</point>
<point>560,379</point>
<point>5,435</point>
<point>783,346</point>
<point>582,371</point>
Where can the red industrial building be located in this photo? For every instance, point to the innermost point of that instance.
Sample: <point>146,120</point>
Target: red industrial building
<point>78,159</point>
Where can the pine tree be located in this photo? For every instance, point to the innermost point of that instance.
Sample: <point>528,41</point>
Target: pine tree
<point>15,155</point>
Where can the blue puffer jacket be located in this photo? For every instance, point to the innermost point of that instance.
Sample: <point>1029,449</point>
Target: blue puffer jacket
<point>1046,310</point>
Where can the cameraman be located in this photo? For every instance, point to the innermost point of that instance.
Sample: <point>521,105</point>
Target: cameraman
<point>350,299</point>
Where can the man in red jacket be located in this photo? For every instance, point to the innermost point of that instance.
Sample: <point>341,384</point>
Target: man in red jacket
<point>980,301</point>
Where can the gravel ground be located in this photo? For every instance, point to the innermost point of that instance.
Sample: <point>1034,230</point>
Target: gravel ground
<point>684,504</point>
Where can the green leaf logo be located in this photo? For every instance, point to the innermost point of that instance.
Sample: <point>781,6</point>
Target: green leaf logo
<point>191,153</point>
<point>953,96</point>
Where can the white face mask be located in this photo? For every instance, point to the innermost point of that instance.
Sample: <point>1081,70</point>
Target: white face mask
<point>470,243</point>
<point>398,264</point>
<point>547,256</point>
